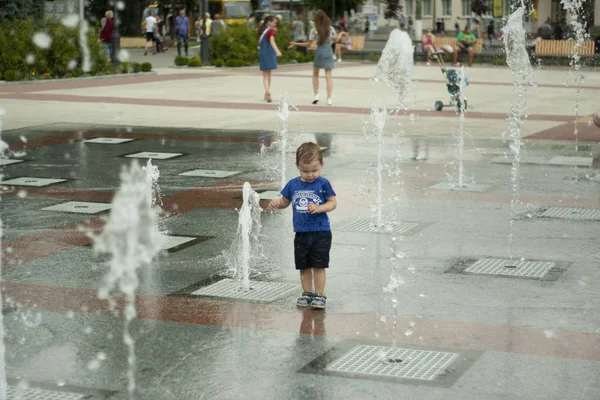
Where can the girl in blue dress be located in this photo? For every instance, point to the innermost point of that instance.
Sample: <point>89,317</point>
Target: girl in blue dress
<point>267,52</point>
<point>324,34</point>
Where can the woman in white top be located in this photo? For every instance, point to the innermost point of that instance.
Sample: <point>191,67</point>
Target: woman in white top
<point>324,34</point>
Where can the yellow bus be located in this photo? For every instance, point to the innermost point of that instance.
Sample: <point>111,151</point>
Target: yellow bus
<point>232,11</point>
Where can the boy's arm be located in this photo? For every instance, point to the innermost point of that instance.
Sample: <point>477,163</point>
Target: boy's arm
<point>328,206</point>
<point>279,203</point>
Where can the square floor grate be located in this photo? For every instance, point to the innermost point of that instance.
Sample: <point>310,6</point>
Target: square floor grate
<point>572,161</point>
<point>173,242</point>
<point>505,267</point>
<point>366,225</point>
<point>31,181</point>
<point>6,161</point>
<point>259,291</point>
<point>270,195</point>
<point>153,155</point>
<point>210,173</point>
<point>80,207</point>
<point>572,213</point>
<point>393,362</point>
<point>42,394</point>
<point>453,187</point>
<point>108,140</point>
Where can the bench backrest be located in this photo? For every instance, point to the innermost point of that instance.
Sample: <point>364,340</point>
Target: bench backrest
<point>563,48</point>
<point>451,41</point>
<point>358,43</point>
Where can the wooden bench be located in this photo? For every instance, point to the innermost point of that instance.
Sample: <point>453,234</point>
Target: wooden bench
<point>451,41</point>
<point>563,48</point>
<point>358,43</point>
<point>133,42</point>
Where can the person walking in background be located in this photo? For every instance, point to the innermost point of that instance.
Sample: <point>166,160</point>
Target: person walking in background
<point>476,30</point>
<point>457,27</point>
<point>198,28</point>
<point>182,29</point>
<point>367,26</point>
<point>217,25</point>
<point>106,34</point>
<point>324,34</point>
<point>267,52</point>
<point>158,34</point>
<point>491,33</point>
<point>150,26</point>
<point>206,25</point>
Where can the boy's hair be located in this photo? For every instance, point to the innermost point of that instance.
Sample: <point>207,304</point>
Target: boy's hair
<point>309,152</point>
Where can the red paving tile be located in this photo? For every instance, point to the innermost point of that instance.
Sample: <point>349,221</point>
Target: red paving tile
<point>258,106</point>
<point>427,332</point>
<point>586,132</point>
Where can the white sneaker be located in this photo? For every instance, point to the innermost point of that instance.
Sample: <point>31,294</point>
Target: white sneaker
<point>329,102</point>
<point>316,99</point>
<point>334,57</point>
<point>339,60</point>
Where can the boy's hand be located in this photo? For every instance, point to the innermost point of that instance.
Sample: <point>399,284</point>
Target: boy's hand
<point>274,204</point>
<point>313,208</point>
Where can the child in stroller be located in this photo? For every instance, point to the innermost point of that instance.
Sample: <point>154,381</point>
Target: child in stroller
<point>454,85</point>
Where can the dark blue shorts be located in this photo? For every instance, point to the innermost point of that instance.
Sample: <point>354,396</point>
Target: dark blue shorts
<point>311,249</point>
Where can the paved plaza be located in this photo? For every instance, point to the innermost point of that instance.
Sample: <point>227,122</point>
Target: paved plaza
<point>455,303</point>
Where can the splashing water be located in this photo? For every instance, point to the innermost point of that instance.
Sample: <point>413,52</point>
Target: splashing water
<point>461,126</point>
<point>574,8</point>
<point>395,282</point>
<point>86,65</point>
<point>132,240</point>
<point>42,40</point>
<point>518,62</point>
<point>3,384</point>
<point>396,64</point>
<point>378,120</point>
<point>153,191</point>
<point>248,228</point>
<point>283,112</point>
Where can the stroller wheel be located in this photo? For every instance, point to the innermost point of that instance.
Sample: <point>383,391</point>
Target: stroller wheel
<point>460,107</point>
<point>438,105</point>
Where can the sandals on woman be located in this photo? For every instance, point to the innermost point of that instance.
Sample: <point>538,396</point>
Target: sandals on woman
<point>268,97</point>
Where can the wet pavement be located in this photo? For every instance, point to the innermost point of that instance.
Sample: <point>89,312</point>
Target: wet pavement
<point>450,330</point>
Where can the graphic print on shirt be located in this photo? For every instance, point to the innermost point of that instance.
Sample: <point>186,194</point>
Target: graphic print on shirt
<point>302,198</point>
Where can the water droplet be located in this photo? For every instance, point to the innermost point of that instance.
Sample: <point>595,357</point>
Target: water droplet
<point>60,382</point>
<point>109,336</point>
<point>70,314</point>
<point>120,5</point>
<point>399,254</point>
<point>70,21</point>
<point>42,40</point>
<point>123,55</point>
<point>383,319</point>
<point>411,116</point>
<point>422,295</point>
<point>549,333</point>
<point>101,356</point>
<point>22,194</point>
<point>71,65</point>
<point>408,332</point>
<point>93,364</point>
<point>30,59</point>
<point>88,330</point>
<point>412,323</point>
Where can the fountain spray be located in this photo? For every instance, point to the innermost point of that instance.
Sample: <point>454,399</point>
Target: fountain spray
<point>132,239</point>
<point>247,246</point>
<point>283,112</point>
<point>461,126</point>
<point>3,384</point>
<point>518,61</point>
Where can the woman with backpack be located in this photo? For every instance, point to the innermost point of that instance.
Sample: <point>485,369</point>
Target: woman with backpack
<point>324,34</point>
<point>267,52</point>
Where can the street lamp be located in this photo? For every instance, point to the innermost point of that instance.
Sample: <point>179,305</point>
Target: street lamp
<point>116,37</point>
<point>203,35</point>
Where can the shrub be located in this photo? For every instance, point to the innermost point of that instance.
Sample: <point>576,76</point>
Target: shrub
<point>146,67</point>
<point>195,62</point>
<point>10,75</point>
<point>373,57</point>
<point>499,61</point>
<point>238,42</point>
<point>235,63</point>
<point>125,67</point>
<point>136,67</point>
<point>219,62</point>
<point>181,61</point>
<point>16,45</point>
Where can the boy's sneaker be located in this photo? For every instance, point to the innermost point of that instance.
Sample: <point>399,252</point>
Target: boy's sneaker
<point>305,300</point>
<point>318,301</point>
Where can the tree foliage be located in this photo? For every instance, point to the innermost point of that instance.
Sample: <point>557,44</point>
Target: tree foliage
<point>340,6</point>
<point>392,9</point>
<point>479,7</point>
<point>11,10</point>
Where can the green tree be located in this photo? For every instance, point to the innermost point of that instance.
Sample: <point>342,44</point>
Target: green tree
<point>327,6</point>
<point>479,7</point>
<point>21,9</point>
<point>393,9</point>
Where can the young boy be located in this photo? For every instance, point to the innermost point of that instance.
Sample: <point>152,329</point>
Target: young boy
<point>311,197</point>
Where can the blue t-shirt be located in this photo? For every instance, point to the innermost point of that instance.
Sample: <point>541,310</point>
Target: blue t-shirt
<point>301,194</point>
<point>182,25</point>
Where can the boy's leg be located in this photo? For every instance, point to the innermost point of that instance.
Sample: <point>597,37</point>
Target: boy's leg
<point>320,280</point>
<point>306,278</point>
<point>185,43</point>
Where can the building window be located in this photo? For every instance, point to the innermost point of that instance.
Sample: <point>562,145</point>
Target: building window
<point>427,8</point>
<point>446,8</point>
<point>409,7</point>
<point>466,8</point>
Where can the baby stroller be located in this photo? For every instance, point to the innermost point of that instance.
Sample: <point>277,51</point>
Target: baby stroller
<point>453,85</point>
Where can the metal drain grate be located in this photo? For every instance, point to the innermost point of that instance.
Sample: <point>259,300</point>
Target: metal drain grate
<point>80,207</point>
<point>5,161</point>
<point>393,362</point>
<point>108,140</point>
<point>365,225</point>
<point>572,213</point>
<point>453,187</point>
<point>210,173</point>
<point>32,181</point>
<point>41,394</point>
<point>153,155</point>
<point>259,291</point>
<point>505,267</point>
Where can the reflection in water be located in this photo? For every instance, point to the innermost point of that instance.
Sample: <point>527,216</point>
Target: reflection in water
<point>313,323</point>
<point>324,139</point>
<point>420,149</point>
